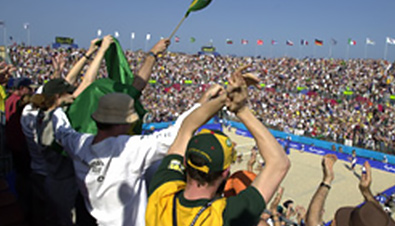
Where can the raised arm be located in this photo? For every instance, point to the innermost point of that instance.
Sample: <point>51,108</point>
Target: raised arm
<point>314,212</point>
<point>71,77</point>
<point>91,73</point>
<point>196,119</point>
<point>144,74</point>
<point>274,205</point>
<point>276,160</point>
<point>58,63</point>
<point>364,184</point>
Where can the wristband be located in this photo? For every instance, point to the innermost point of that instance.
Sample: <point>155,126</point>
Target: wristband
<point>323,184</point>
<point>153,54</point>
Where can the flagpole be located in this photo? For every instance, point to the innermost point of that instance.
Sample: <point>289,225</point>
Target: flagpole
<point>131,41</point>
<point>300,49</point>
<point>5,35</point>
<point>314,51</point>
<point>28,35</point>
<point>330,51</point>
<point>385,50</point>
<point>286,51</point>
<point>271,51</point>
<point>347,51</point>
<point>178,26</point>
<point>147,38</point>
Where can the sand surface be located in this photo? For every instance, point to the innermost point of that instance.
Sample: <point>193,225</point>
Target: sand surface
<point>306,174</point>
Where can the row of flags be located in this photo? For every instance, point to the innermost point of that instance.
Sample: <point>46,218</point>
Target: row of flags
<point>25,25</point>
<point>303,42</point>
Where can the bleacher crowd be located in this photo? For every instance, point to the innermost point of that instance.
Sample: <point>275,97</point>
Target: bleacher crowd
<point>101,177</point>
<point>346,101</point>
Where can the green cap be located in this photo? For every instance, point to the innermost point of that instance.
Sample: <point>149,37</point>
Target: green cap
<point>214,147</point>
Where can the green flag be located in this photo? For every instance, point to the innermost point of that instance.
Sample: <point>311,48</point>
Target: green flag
<point>197,5</point>
<point>120,80</point>
<point>192,39</point>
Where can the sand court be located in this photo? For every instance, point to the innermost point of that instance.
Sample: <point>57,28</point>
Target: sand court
<point>305,176</point>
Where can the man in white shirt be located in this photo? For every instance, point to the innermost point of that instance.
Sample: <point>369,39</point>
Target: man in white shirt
<point>110,165</point>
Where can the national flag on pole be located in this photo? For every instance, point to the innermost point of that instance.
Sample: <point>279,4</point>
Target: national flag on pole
<point>148,37</point>
<point>351,42</point>
<point>370,42</point>
<point>132,35</point>
<point>391,41</point>
<point>99,32</point>
<point>304,42</point>
<point>26,26</point>
<point>2,23</point>
<point>333,41</point>
<point>289,43</point>
<point>197,5</point>
<point>244,41</point>
<point>274,42</point>
<point>259,42</point>
<point>318,42</point>
<point>192,39</point>
<point>229,41</point>
<point>177,39</point>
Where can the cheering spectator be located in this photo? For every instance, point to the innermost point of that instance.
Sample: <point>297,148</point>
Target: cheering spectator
<point>208,156</point>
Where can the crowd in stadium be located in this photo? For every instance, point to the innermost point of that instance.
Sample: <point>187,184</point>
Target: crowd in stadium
<point>345,101</point>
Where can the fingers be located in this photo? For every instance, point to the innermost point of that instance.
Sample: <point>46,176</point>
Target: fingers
<point>166,41</point>
<point>242,68</point>
<point>368,171</point>
<point>93,42</point>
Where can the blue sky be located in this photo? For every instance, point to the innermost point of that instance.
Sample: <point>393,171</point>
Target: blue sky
<point>249,19</point>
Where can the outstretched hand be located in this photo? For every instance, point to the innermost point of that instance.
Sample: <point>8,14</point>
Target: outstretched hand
<point>249,78</point>
<point>93,47</point>
<point>161,46</point>
<point>236,92</point>
<point>327,167</point>
<point>366,178</point>
<point>276,201</point>
<point>212,92</point>
<point>107,41</point>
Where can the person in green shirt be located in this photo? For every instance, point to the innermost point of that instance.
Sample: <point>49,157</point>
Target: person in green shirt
<point>185,189</point>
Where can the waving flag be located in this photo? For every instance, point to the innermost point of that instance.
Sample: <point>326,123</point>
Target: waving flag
<point>192,39</point>
<point>370,42</point>
<point>289,43</point>
<point>119,80</point>
<point>177,39</point>
<point>229,41</point>
<point>244,41</point>
<point>351,42</point>
<point>333,41</point>
<point>304,42</point>
<point>274,42</point>
<point>319,42</point>
<point>391,41</point>
<point>259,42</point>
<point>198,5</point>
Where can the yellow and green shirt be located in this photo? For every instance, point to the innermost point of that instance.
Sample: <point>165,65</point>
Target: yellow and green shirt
<point>3,96</point>
<point>169,180</point>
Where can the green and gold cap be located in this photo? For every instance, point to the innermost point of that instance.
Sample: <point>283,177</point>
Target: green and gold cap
<point>214,147</point>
